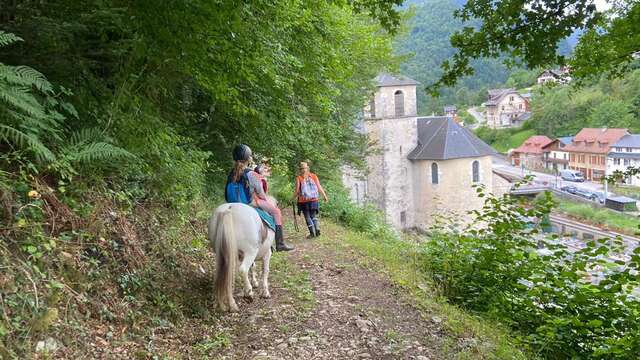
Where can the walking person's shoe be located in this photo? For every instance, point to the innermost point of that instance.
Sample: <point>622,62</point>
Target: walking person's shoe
<point>316,225</point>
<point>312,232</point>
<point>280,245</point>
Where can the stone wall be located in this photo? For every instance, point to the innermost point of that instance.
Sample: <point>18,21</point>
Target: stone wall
<point>454,195</point>
<point>385,102</point>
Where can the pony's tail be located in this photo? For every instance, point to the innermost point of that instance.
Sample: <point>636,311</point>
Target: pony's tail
<point>226,256</point>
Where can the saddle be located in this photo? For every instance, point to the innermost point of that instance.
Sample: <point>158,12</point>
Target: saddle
<point>267,219</point>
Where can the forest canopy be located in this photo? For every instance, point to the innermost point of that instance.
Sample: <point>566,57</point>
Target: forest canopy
<point>175,85</point>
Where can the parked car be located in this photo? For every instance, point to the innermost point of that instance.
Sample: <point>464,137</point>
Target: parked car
<point>569,188</point>
<point>586,194</point>
<point>599,196</point>
<point>572,175</point>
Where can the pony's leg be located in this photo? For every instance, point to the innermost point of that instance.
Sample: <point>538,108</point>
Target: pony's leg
<point>254,281</point>
<point>246,264</point>
<point>265,275</point>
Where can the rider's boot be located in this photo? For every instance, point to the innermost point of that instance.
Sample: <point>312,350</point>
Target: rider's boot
<point>280,245</point>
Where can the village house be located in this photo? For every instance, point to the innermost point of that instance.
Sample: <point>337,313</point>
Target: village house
<point>554,156</point>
<point>506,108</point>
<point>418,167</point>
<point>560,76</point>
<point>589,149</point>
<point>450,111</point>
<point>625,153</point>
<point>530,154</point>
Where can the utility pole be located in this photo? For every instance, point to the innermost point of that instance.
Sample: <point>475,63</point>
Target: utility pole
<point>606,183</point>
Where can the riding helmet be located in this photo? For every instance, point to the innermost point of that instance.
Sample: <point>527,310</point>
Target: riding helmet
<point>241,153</point>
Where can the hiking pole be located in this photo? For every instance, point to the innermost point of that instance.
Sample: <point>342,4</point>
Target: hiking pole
<point>295,218</point>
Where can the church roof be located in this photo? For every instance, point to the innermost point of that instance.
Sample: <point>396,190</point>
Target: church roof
<point>441,138</point>
<point>394,80</point>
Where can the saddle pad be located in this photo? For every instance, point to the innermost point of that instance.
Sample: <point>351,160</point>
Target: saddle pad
<point>267,219</point>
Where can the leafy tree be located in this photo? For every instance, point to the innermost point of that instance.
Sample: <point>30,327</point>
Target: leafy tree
<point>531,31</point>
<point>565,110</point>
<point>522,78</point>
<point>611,113</point>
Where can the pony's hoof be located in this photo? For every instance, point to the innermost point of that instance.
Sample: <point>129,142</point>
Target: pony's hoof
<point>234,308</point>
<point>249,297</point>
<point>265,295</point>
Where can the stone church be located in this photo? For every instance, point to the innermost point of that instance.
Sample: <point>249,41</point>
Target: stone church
<point>419,167</point>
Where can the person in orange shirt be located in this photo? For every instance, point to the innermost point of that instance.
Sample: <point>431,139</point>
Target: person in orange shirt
<point>307,192</point>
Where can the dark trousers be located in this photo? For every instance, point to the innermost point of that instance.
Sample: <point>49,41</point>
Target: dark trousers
<point>310,212</point>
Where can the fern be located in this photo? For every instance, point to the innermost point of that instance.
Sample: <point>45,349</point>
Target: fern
<point>101,152</point>
<point>27,108</point>
<point>26,77</point>
<point>24,140</point>
<point>8,38</point>
<point>90,146</point>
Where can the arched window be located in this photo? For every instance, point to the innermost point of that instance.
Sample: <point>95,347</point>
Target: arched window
<point>372,108</point>
<point>475,169</point>
<point>399,101</point>
<point>434,173</point>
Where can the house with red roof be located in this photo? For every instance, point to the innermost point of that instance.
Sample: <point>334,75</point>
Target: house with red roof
<point>589,148</point>
<point>530,153</point>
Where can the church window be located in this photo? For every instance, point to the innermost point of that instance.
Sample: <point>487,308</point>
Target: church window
<point>434,173</point>
<point>372,108</point>
<point>399,103</point>
<point>475,169</point>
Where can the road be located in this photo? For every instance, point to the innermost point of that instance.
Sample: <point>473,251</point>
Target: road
<point>480,120</point>
<point>501,164</point>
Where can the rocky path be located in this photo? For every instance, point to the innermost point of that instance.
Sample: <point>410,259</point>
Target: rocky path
<point>326,306</point>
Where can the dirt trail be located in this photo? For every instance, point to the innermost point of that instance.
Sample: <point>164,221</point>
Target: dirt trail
<point>326,306</point>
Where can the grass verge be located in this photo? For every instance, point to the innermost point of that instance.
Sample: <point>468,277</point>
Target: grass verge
<point>600,216</point>
<point>630,191</point>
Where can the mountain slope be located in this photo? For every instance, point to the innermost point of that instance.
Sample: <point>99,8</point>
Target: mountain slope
<point>428,41</point>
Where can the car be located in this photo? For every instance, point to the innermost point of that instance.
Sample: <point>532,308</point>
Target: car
<point>572,175</point>
<point>586,194</point>
<point>569,188</point>
<point>599,197</point>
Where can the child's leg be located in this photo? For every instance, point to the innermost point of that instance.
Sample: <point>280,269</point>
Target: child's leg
<point>271,209</point>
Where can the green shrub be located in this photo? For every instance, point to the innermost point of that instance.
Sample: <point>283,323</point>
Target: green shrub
<point>538,286</point>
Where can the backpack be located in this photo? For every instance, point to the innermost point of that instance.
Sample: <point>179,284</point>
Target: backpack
<point>238,192</point>
<point>308,188</point>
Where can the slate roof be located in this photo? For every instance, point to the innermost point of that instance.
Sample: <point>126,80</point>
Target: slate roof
<point>624,155</point>
<point>595,140</point>
<point>632,141</point>
<point>552,72</point>
<point>495,95</point>
<point>533,145</point>
<point>561,141</point>
<point>394,80</point>
<point>566,140</point>
<point>441,138</point>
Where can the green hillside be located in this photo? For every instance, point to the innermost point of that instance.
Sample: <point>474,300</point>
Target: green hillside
<point>428,41</point>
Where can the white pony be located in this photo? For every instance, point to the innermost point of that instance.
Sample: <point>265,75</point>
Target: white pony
<point>237,233</point>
